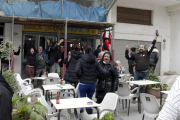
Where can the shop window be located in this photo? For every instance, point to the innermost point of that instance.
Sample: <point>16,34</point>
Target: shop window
<point>1,39</point>
<point>134,16</point>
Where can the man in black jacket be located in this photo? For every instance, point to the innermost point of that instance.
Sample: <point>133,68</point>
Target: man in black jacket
<point>6,94</point>
<point>142,62</point>
<point>55,56</point>
<point>131,62</point>
<point>97,51</point>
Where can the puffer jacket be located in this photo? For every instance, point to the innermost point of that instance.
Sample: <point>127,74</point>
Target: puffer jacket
<point>154,57</point>
<point>70,72</point>
<point>86,69</point>
<point>111,80</point>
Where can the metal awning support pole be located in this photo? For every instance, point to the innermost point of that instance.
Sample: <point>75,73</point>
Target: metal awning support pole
<point>100,37</point>
<point>12,37</point>
<point>61,9</point>
<point>65,45</point>
<point>112,43</point>
<point>59,33</point>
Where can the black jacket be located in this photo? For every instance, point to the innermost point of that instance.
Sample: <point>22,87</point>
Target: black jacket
<point>70,71</point>
<point>4,60</point>
<point>154,57</point>
<point>96,52</point>
<point>6,94</point>
<point>141,58</point>
<point>54,55</point>
<point>131,62</point>
<point>111,80</point>
<point>31,59</point>
<point>86,69</point>
<point>62,59</point>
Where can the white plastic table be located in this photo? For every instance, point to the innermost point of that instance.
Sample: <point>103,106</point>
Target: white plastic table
<point>162,93</point>
<point>142,83</point>
<point>55,87</point>
<point>74,103</point>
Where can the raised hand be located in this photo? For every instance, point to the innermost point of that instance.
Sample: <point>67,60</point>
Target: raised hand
<point>127,47</point>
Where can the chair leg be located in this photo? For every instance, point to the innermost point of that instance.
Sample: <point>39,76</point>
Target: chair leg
<point>129,107</point>
<point>126,103</point>
<point>123,103</point>
<point>51,95</point>
<point>143,117</point>
<point>119,103</point>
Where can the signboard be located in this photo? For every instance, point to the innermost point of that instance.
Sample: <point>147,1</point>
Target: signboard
<point>54,29</point>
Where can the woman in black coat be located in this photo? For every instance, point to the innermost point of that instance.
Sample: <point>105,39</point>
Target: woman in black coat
<point>70,62</point>
<point>6,94</point>
<point>108,83</point>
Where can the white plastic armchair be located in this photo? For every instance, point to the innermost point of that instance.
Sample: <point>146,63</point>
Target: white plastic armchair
<point>54,75</point>
<point>125,93</point>
<point>19,79</point>
<point>71,93</point>
<point>108,104</point>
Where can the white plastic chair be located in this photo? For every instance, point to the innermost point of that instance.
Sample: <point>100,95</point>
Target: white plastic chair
<point>19,79</point>
<point>150,104</point>
<point>124,93</point>
<point>51,115</point>
<point>108,104</point>
<point>54,75</point>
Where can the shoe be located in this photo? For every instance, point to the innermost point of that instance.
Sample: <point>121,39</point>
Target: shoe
<point>133,101</point>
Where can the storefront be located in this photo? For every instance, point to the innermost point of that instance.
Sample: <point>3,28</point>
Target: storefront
<point>39,34</point>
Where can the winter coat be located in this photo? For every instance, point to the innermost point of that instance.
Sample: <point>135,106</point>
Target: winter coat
<point>41,60</point>
<point>54,54</point>
<point>70,71</point>
<point>131,62</point>
<point>6,61</point>
<point>111,80</point>
<point>96,52</point>
<point>86,69</point>
<point>31,59</point>
<point>141,58</point>
<point>154,57</point>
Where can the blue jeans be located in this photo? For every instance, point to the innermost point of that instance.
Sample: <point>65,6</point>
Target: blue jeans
<point>6,67</point>
<point>87,90</point>
<point>140,76</point>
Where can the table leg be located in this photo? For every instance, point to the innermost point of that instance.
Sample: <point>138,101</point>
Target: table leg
<point>97,112</point>
<point>161,94</point>
<point>59,114</point>
<point>74,93</point>
<point>43,91</point>
<point>139,101</point>
<point>75,113</point>
<point>46,95</point>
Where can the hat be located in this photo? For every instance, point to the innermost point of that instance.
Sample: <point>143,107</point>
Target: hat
<point>133,49</point>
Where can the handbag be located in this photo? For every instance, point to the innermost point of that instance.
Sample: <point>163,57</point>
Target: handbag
<point>101,86</point>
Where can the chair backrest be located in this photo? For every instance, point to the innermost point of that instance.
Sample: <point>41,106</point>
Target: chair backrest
<point>123,89</point>
<point>76,90</point>
<point>109,101</point>
<point>53,75</point>
<point>150,103</point>
<point>18,77</point>
<point>51,81</point>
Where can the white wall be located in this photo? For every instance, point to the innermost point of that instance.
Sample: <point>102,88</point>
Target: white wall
<point>161,22</point>
<point>17,42</point>
<point>174,65</point>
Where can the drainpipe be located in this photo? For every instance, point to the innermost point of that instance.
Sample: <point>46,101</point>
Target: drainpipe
<point>112,43</point>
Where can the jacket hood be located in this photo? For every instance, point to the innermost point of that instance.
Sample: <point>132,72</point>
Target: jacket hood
<point>5,84</point>
<point>88,58</point>
<point>75,54</point>
<point>155,50</point>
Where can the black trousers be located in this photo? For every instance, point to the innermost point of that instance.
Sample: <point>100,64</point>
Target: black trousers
<point>131,69</point>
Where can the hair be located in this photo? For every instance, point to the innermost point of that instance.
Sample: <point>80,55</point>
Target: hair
<point>88,51</point>
<point>111,60</point>
<point>54,43</point>
<point>106,38</point>
<point>118,61</point>
<point>99,46</point>
<point>105,47</point>
<point>101,54</point>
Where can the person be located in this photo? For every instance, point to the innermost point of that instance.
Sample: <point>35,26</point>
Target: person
<point>5,62</point>
<point>106,48</point>
<point>142,63</point>
<point>100,55</point>
<point>86,72</point>
<point>62,59</point>
<point>131,63</point>
<point>31,63</point>
<point>97,51</point>
<point>120,68</point>
<point>70,62</point>
<point>106,41</point>
<point>170,110</point>
<point>110,81</point>
<point>55,56</point>
<point>6,94</point>
<point>154,58</point>
<point>41,61</point>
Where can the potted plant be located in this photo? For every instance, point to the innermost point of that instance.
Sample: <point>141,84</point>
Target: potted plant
<point>22,110</point>
<point>107,116</point>
<point>153,89</point>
